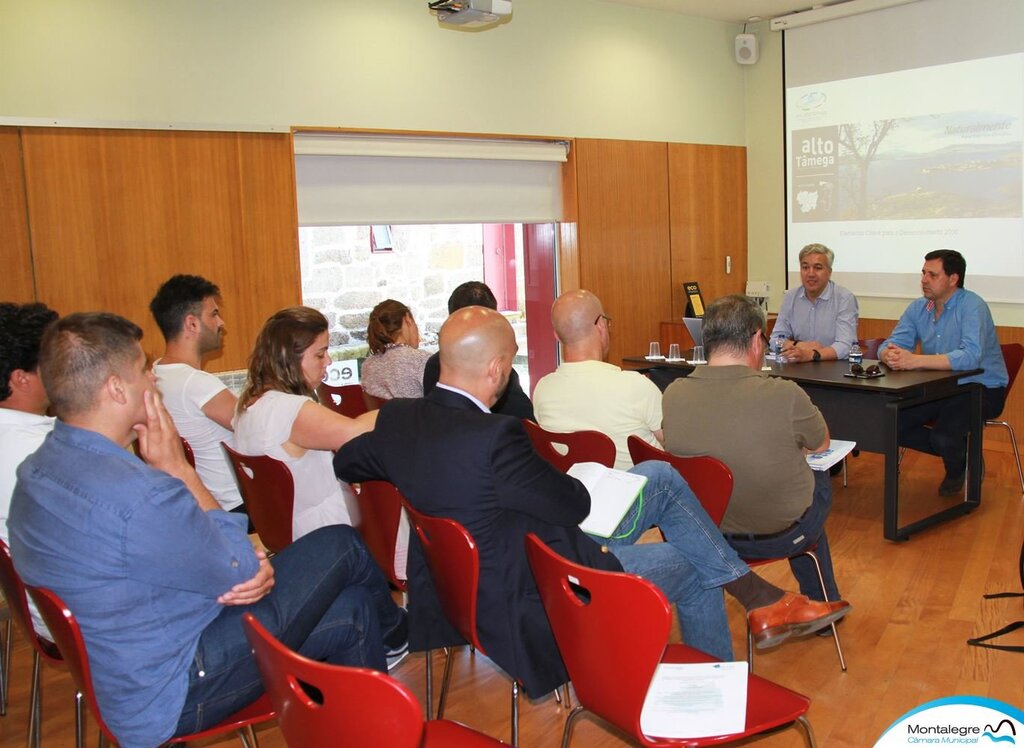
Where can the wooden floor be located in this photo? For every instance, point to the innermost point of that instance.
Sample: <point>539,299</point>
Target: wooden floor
<point>915,603</point>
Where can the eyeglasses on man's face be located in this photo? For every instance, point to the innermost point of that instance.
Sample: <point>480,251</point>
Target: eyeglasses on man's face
<point>605,317</point>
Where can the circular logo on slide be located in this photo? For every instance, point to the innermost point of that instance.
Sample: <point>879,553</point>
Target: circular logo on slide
<point>957,720</point>
<point>812,100</point>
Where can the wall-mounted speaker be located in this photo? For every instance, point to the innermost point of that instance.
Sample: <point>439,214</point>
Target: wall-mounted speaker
<point>746,49</point>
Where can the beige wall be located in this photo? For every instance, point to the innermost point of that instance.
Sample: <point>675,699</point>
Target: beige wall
<point>581,68</point>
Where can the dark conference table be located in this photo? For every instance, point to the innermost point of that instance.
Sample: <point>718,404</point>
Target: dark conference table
<point>867,411</point>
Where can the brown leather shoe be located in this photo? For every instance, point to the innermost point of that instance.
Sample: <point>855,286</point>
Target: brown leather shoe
<point>793,615</point>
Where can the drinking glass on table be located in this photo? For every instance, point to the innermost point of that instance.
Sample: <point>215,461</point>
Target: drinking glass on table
<point>673,352</point>
<point>698,354</point>
<point>655,350</point>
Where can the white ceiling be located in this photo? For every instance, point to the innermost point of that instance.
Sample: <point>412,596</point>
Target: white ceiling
<point>737,11</point>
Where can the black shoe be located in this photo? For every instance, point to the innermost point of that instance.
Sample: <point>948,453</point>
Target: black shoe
<point>952,485</point>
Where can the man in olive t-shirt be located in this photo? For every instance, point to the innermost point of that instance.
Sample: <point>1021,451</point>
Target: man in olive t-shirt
<point>762,428</point>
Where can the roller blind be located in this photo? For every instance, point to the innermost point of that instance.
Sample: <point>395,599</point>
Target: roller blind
<point>346,179</point>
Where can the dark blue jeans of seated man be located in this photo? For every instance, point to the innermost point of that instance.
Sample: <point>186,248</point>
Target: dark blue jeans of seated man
<point>330,602</point>
<point>940,427</point>
<point>807,531</point>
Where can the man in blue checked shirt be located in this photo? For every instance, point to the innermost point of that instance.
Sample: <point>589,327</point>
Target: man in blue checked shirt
<point>955,329</point>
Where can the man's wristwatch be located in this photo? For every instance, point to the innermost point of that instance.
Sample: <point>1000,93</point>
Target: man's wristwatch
<point>815,355</point>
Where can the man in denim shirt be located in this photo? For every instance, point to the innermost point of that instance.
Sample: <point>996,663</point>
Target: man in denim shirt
<point>955,329</point>
<point>157,574</point>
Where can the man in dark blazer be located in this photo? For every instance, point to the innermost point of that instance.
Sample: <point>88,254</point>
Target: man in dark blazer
<point>451,457</point>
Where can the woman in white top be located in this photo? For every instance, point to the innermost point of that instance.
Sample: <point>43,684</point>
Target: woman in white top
<point>278,415</point>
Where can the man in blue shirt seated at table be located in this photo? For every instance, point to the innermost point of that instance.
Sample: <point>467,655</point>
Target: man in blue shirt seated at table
<point>157,574</point>
<point>955,329</point>
<point>818,319</point>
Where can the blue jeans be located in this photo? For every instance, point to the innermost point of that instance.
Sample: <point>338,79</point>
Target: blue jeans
<point>691,565</point>
<point>806,531</point>
<point>330,602</point>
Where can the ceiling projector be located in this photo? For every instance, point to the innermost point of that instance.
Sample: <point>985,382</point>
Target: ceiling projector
<point>470,13</point>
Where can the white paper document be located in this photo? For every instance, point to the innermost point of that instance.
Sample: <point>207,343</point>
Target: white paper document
<point>696,700</point>
<point>837,449</point>
<point>612,493</point>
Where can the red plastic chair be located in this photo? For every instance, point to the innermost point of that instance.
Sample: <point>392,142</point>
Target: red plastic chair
<point>371,402</point>
<point>580,446</point>
<point>454,562</point>
<point>268,491</point>
<point>711,481</point>
<point>380,511</point>
<point>346,399</point>
<point>351,706</point>
<point>66,633</point>
<point>42,648</point>
<point>1013,355</point>
<point>709,478</point>
<point>611,657</point>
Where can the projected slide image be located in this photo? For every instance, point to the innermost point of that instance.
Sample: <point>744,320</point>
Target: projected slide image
<point>950,165</point>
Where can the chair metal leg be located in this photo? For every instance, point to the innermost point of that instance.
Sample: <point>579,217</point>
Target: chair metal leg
<point>248,737</point>
<point>79,721</point>
<point>446,679</point>
<point>568,697</point>
<point>429,706</point>
<point>515,712</point>
<point>750,649</point>
<point>824,594</point>
<point>569,722</point>
<point>558,696</point>
<point>1016,452</point>
<point>845,483</point>
<point>5,666</point>
<point>33,705</point>
<point>808,730</point>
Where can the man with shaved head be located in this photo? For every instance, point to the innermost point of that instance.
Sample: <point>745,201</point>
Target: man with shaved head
<point>586,392</point>
<point>451,457</point>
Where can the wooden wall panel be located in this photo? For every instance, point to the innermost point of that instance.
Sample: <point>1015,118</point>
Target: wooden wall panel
<point>1013,413</point>
<point>15,249</point>
<point>623,211</point>
<point>116,212</point>
<point>708,209</point>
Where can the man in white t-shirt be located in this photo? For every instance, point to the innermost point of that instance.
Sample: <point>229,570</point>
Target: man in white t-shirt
<point>23,402</point>
<point>187,310</point>
<point>586,392</point>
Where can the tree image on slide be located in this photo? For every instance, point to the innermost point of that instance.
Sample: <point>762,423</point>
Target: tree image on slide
<point>862,146</point>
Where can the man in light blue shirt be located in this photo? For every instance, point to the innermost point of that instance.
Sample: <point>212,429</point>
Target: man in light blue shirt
<point>818,320</point>
<point>955,329</point>
<point>156,572</point>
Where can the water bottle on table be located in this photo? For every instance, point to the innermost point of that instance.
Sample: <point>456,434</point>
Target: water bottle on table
<point>856,354</point>
<point>775,346</point>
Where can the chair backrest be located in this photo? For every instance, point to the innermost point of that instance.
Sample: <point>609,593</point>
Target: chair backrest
<point>17,604</point>
<point>870,347</point>
<point>611,629</point>
<point>1013,355</point>
<point>454,562</point>
<point>709,478</point>
<point>349,706</point>
<point>346,399</point>
<point>372,403</point>
<point>380,511</point>
<point>68,637</point>
<point>579,446</point>
<point>268,491</point>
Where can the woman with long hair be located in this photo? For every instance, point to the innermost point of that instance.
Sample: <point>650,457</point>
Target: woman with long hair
<point>279,415</point>
<point>395,366</point>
